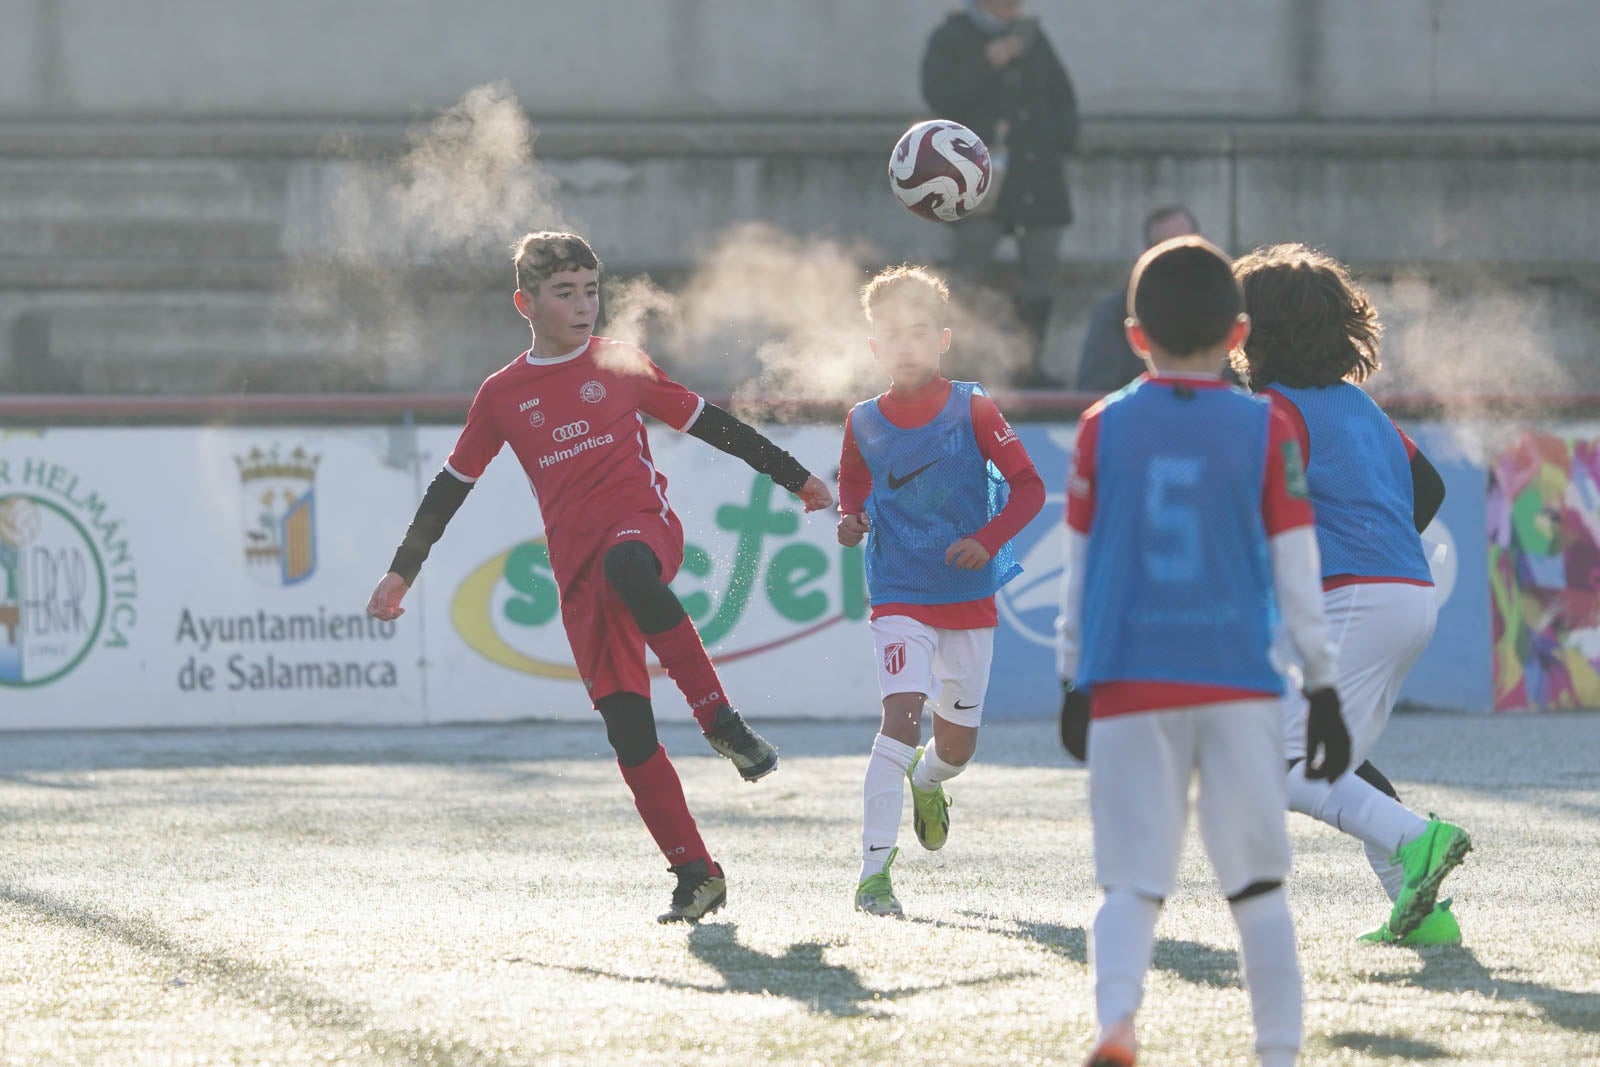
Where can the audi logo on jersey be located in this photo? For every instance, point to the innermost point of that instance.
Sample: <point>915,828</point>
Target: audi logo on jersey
<point>571,431</point>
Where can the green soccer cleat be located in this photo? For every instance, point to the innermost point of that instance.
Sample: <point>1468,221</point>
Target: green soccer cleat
<point>732,737</point>
<point>701,890</point>
<point>1439,928</point>
<point>875,895</point>
<point>1427,860</point>
<point>930,811</point>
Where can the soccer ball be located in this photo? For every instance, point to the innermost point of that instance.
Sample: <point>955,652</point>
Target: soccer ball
<point>940,170</point>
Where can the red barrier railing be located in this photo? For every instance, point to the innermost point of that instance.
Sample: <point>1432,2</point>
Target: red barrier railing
<point>1019,405</point>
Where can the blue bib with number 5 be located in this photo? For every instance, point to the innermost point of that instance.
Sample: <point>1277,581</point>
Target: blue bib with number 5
<point>1177,580</point>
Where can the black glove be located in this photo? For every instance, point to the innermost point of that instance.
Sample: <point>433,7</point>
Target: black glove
<point>1327,736</point>
<point>1075,722</point>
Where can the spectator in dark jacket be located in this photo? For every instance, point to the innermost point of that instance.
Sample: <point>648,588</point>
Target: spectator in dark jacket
<point>992,69</point>
<point>1107,363</point>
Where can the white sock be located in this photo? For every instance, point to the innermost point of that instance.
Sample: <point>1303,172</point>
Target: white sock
<point>1271,974</point>
<point>882,799</point>
<point>1390,873</point>
<point>1119,952</point>
<point>931,770</point>
<point>1357,807</point>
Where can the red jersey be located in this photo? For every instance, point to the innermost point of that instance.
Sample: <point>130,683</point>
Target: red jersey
<point>998,443</point>
<point>1281,510</point>
<point>576,424</point>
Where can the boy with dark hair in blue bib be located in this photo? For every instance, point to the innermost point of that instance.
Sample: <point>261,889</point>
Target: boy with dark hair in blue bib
<point>1189,536</point>
<point>933,472</point>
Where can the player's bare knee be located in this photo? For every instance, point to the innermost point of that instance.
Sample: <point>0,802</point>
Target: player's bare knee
<point>956,745</point>
<point>902,717</point>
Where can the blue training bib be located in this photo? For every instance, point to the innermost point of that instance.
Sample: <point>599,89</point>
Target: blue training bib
<point>1360,481</point>
<point>931,486</point>
<point>1177,580</point>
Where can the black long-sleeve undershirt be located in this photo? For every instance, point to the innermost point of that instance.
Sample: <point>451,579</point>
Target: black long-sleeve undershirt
<point>439,505</point>
<point>1427,491</point>
<point>715,427</point>
<point>726,433</point>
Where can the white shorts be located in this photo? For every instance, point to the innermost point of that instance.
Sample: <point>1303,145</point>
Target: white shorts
<point>1378,630</point>
<point>1140,768</point>
<point>949,667</point>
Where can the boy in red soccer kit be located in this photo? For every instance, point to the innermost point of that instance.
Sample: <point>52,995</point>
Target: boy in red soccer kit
<point>572,409</point>
<point>1189,532</point>
<point>1316,335</point>
<point>921,472</point>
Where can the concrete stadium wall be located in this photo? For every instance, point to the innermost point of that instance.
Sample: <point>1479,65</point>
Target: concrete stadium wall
<point>173,256</point>
<point>168,169</point>
<point>1258,58</point>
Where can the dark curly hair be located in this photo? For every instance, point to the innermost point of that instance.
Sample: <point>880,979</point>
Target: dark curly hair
<point>1311,323</point>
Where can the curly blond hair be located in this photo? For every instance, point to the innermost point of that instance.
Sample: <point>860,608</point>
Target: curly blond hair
<point>909,282</point>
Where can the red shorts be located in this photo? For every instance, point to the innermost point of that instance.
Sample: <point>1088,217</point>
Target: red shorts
<point>606,643</point>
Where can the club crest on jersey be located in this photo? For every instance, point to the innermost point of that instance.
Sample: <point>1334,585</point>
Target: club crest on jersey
<point>592,392</point>
<point>894,657</point>
<point>536,419</point>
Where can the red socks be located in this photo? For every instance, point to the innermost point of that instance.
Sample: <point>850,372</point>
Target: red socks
<point>684,657</point>
<point>658,795</point>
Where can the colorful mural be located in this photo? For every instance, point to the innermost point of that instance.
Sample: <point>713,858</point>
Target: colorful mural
<point>1544,573</point>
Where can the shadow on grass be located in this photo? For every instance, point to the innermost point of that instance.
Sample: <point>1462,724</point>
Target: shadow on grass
<point>1454,969</point>
<point>1194,962</point>
<point>1388,1046</point>
<point>799,974</point>
<point>283,998</point>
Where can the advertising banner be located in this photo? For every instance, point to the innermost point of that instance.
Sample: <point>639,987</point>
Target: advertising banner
<point>779,603</point>
<point>173,577</point>
<point>197,576</point>
<point>1454,672</point>
<point>1544,570</point>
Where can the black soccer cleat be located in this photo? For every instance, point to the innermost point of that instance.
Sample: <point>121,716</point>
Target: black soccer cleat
<point>731,736</point>
<point>701,890</point>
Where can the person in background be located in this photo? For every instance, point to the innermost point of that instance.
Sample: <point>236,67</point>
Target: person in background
<point>991,68</point>
<point>1108,363</point>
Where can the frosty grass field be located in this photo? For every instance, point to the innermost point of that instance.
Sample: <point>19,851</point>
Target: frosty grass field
<point>485,895</point>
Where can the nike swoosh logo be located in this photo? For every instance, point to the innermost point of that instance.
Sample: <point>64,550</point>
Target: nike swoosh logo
<point>878,848</point>
<point>895,483</point>
<point>964,707</point>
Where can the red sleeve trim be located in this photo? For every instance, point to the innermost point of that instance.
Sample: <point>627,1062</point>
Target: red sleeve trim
<point>855,478</point>
<point>997,441</point>
<point>1285,502</point>
<point>1026,501</point>
<point>1411,446</point>
<point>1080,482</point>
<point>1297,421</point>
